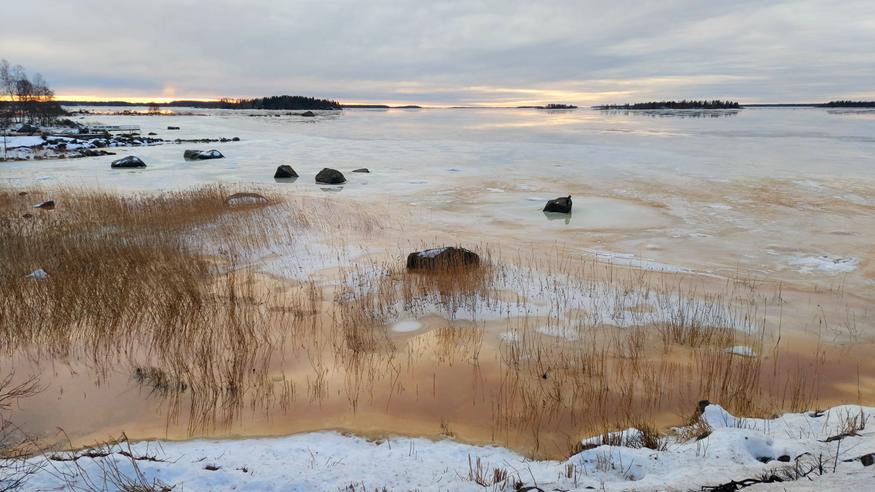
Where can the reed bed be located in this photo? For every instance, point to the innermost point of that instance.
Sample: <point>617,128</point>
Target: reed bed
<point>546,349</point>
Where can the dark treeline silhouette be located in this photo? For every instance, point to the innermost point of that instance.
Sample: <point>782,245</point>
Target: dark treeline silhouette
<point>280,102</point>
<point>715,104</point>
<point>25,99</point>
<point>272,102</point>
<point>848,104</point>
<point>550,106</point>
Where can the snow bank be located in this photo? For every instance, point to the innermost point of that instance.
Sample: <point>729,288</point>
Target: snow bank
<point>14,142</point>
<point>735,450</point>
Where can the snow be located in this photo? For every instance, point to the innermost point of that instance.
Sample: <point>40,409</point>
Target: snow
<point>742,350</point>
<point>536,293</point>
<point>628,259</point>
<point>734,450</point>
<point>431,253</point>
<point>560,331</point>
<point>824,263</point>
<point>406,326</point>
<point>13,142</point>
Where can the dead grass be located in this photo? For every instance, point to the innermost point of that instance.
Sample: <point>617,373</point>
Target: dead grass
<point>165,283</point>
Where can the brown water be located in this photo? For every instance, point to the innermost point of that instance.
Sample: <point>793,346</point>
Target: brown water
<point>448,378</point>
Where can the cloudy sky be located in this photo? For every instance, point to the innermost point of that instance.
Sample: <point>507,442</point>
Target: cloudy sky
<point>448,52</point>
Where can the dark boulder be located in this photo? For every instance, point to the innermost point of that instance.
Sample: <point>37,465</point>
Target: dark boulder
<point>285,171</point>
<point>235,139</point>
<point>361,170</point>
<point>308,114</point>
<point>202,155</point>
<point>330,176</point>
<point>560,205</point>
<point>445,258</point>
<point>130,161</point>
<point>26,128</point>
<point>152,134</point>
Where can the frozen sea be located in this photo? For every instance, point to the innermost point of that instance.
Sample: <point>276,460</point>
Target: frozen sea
<point>771,191</point>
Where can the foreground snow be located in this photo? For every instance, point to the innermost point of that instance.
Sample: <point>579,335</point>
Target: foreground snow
<point>734,450</point>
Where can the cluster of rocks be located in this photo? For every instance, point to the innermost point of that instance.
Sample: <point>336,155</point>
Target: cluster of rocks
<point>72,146</point>
<point>325,176</point>
<point>134,162</point>
<point>205,140</point>
<point>449,258</point>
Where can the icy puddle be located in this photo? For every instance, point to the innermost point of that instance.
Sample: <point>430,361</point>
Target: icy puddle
<point>534,383</point>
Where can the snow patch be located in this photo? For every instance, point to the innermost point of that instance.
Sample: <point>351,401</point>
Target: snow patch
<point>406,326</point>
<point>825,263</point>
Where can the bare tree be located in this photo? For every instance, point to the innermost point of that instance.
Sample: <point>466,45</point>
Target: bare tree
<point>25,98</point>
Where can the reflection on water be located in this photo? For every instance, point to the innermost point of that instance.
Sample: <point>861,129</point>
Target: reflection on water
<point>553,216</point>
<point>673,113</point>
<point>219,348</point>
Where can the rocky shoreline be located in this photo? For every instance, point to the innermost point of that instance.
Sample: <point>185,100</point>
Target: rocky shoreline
<point>74,146</point>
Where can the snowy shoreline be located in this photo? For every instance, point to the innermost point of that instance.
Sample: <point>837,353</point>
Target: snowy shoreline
<point>829,448</point>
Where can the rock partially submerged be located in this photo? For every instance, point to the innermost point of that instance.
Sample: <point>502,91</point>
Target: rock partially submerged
<point>129,162</point>
<point>561,205</point>
<point>202,155</point>
<point>330,176</point>
<point>46,205</point>
<point>445,258</point>
<point>173,128</point>
<point>38,274</point>
<point>285,171</point>
<point>246,199</point>
<point>361,170</point>
<point>308,114</point>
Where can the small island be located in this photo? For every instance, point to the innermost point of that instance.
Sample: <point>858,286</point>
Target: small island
<point>848,104</point>
<point>271,102</point>
<point>549,106</point>
<point>715,104</point>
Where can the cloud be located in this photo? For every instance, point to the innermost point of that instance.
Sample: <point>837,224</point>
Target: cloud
<point>451,52</point>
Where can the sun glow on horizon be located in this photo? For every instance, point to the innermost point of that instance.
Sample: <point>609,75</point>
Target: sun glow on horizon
<point>129,99</point>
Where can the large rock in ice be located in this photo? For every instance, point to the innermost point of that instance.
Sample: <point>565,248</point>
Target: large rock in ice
<point>46,205</point>
<point>246,199</point>
<point>560,205</point>
<point>445,258</point>
<point>330,176</point>
<point>202,155</point>
<point>285,171</point>
<point>129,162</point>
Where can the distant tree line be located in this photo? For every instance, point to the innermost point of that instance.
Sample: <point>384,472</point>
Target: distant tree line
<point>715,104</point>
<point>25,99</point>
<point>272,102</point>
<point>283,102</point>
<point>550,106</point>
<point>849,104</point>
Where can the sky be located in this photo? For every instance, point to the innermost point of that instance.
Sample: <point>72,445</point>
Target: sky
<point>444,53</point>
